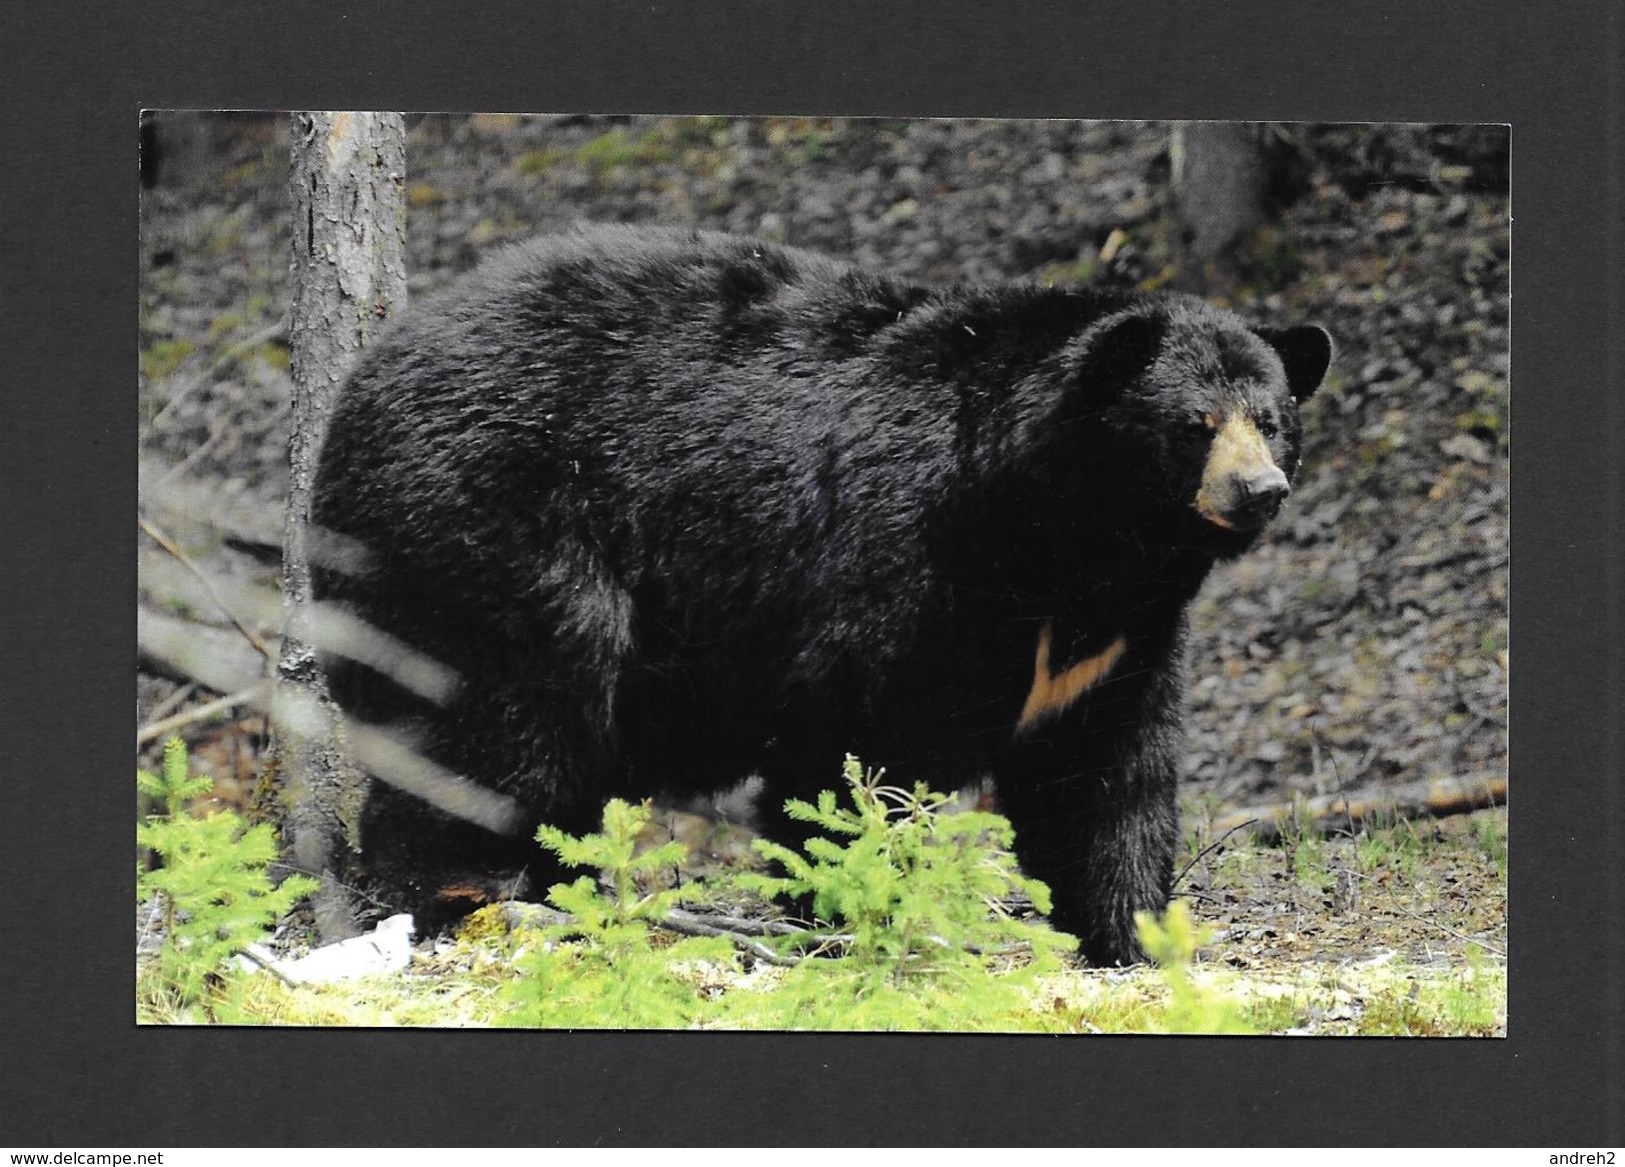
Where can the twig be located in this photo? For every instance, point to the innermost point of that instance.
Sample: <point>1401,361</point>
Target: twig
<point>181,695</point>
<point>1342,785</point>
<point>270,332</point>
<point>1197,858</point>
<point>741,932</point>
<point>217,430</point>
<point>739,924</point>
<point>1192,893</point>
<point>1345,888</point>
<point>255,696</point>
<point>169,545</point>
<point>267,960</point>
<point>690,926</point>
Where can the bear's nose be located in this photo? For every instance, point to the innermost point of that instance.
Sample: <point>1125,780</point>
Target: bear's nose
<point>1258,496</point>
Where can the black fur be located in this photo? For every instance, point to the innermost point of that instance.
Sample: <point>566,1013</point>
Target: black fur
<point>679,507</point>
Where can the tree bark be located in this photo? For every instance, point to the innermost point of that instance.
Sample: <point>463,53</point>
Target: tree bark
<point>1221,180</point>
<point>349,273</point>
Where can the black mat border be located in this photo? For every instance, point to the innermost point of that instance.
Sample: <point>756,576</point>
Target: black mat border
<point>77,1072</point>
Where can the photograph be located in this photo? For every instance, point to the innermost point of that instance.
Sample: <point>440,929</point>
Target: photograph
<point>787,573</point>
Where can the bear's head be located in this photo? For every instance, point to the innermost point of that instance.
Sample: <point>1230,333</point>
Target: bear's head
<point>1192,417</point>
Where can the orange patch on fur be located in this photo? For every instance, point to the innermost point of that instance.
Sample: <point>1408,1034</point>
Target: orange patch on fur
<point>1052,692</point>
<point>464,893</point>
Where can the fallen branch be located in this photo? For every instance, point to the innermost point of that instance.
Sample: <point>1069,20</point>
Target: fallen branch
<point>690,925</point>
<point>739,923</point>
<point>271,963</point>
<point>738,930</point>
<point>182,694</point>
<point>188,651</point>
<point>169,545</point>
<point>255,696</point>
<point>1333,813</point>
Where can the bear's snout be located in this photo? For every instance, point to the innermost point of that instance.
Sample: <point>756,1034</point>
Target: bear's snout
<point>1242,488</point>
<point>1257,497</point>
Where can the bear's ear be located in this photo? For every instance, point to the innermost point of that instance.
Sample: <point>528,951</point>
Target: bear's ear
<point>1306,351</point>
<point>1120,348</point>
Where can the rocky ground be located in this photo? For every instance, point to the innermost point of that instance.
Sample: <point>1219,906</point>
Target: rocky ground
<point>1364,644</point>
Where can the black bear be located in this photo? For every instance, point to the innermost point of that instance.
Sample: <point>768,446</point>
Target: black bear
<point>680,507</point>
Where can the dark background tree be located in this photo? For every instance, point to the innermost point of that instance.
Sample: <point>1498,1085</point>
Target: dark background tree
<point>1228,180</point>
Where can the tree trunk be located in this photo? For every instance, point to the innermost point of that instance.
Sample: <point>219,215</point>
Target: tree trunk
<point>1221,182</point>
<point>349,272</point>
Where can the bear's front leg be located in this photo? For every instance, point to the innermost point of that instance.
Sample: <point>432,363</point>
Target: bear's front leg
<point>1092,798</point>
<point>1102,836</point>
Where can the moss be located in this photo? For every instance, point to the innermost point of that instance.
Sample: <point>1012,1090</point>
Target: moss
<point>1270,261</point>
<point>1159,279</point>
<point>425,194</point>
<point>1397,1013</point>
<point>1470,1002</point>
<point>1484,420</point>
<point>1072,271</point>
<point>224,325</point>
<point>698,131</point>
<point>691,142</point>
<point>273,354</point>
<point>617,148</point>
<point>162,357</point>
<point>1315,589</point>
<point>225,239</point>
<point>487,923</point>
<point>246,172</point>
<point>540,161</point>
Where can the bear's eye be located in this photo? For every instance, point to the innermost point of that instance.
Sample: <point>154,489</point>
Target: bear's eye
<point>1267,426</point>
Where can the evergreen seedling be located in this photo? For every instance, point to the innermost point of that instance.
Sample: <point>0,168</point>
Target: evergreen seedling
<point>1172,942</point>
<point>613,974</point>
<point>212,888</point>
<point>914,894</point>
